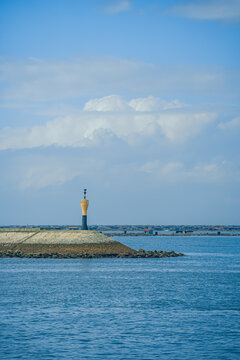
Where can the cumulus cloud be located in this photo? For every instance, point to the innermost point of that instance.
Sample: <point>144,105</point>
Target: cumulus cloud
<point>105,116</point>
<point>117,103</point>
<point>230,125</point>
<point>209,10</point>
<point>152,103</point>
<point>117,7</point>
<point>107,103</point>
<point>183,125</point>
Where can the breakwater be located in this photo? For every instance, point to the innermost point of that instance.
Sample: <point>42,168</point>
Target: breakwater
<point>36,243</point>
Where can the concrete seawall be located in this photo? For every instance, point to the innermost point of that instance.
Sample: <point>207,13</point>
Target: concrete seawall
<point>53,237</point>
<point>66,244</point>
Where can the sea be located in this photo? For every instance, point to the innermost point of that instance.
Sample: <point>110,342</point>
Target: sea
<point>182,308</point>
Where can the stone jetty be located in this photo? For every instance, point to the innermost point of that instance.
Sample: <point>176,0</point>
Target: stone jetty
<point>37,243</point>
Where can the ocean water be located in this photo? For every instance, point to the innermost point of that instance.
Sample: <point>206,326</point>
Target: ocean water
<point>173,308</point>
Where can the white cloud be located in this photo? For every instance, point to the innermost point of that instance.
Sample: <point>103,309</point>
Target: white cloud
<point>175,172</point>
<point>179,126</point>
<point>230,125</point>
<point>35,80</point>
<point>107,103</point>
<point>85,128</point>
<point>209,10</point>
<point>152,103</point>
<point>48,174</point>
<point>117,103</point>
<point>117,7</point>
<point>40,171</point>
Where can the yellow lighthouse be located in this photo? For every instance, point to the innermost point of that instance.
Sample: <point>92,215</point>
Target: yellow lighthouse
<point>84,205</point>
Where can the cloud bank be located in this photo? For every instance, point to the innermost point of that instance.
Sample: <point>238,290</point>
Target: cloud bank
<point>175,172</point>
<point>37,80</point>
<point>39,171</point>
<point>129,121</point>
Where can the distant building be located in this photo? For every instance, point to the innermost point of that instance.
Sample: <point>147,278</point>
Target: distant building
<point>148,231</point>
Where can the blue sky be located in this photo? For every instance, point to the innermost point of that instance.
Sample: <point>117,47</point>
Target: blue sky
<point>136,100</point>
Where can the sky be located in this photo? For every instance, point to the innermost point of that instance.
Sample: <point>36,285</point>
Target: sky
<point>136,100</point>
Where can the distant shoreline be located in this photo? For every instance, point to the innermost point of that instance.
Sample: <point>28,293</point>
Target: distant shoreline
<point>170,234</point>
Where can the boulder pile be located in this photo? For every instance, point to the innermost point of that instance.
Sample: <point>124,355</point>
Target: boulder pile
<point>89,255</point>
